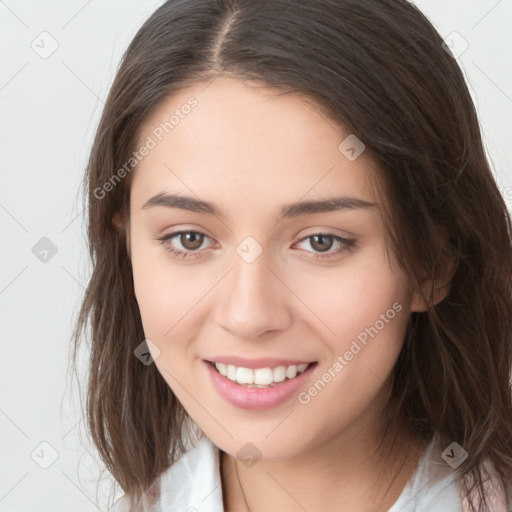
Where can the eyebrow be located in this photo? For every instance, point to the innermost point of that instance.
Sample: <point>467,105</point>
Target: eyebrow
<point>330,204</point>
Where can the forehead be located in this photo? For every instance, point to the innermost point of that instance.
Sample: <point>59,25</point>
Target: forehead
<point>235,142</point>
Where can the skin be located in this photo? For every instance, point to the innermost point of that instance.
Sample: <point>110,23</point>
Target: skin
<point>249,152</point>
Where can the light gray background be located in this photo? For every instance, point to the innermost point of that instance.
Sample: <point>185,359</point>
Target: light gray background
<point>49,109</point>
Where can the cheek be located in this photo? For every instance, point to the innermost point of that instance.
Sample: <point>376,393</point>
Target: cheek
<point>167,302</point>
<point>157,305</point>
<point>350,298</point>
<point>156,286</point>
<point>365,308</point>
<point>171,299</point>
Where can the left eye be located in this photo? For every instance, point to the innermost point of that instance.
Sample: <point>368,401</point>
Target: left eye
<point>191,241</point>
<point>323,242</point>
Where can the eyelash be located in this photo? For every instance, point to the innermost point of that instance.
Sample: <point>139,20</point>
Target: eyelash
<point>347,244</point>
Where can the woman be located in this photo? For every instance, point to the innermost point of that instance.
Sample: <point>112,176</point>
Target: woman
<point>302,265</point>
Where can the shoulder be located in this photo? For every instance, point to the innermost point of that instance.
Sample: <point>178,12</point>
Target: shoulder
<point>191,484</point>
<point>493,487</point>
<point>436,485</point>
<point>120,505</point>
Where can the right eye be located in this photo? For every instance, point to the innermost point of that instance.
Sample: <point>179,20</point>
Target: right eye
<point>190,242</point>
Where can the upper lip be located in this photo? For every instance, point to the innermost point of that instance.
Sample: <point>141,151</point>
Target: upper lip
<point>262,362</point>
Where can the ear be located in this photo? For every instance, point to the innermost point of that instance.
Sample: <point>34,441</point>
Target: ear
<point>117,221</point>
<point>123,228</point>
<point>431,291</point>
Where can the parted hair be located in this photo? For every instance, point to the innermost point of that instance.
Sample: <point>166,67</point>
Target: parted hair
<point>379,68</point>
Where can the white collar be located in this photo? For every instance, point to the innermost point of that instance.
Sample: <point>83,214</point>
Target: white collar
<point>192,483</point>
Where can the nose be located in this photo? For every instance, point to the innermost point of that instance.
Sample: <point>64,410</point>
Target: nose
<point>254,299</point>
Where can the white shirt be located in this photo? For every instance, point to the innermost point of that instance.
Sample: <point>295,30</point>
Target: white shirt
<point>193,484</point>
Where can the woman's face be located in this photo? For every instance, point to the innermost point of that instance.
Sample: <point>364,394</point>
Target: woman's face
<point>267,285</point>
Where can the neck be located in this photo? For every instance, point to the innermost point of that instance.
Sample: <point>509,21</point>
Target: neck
<point>346,472</point>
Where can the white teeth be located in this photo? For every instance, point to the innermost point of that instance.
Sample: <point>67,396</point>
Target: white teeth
<point>231,372</point>
<point>279,373</point>
<point>291,371</point>
<point>245,376</point>
<point>260,377</point>
<point>222,368</point>
<point>263,376</point>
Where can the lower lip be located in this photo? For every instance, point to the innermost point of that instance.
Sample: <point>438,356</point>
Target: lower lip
<point>244,397</point>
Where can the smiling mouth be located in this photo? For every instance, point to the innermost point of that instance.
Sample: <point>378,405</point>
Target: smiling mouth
<point>265,377</point>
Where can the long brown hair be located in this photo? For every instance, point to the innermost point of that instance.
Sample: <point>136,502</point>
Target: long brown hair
<point>379,68</point>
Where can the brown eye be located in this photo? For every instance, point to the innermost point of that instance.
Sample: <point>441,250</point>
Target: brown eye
<point>321,243</point>
<point>191,240</point>
<point>184,244</point>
